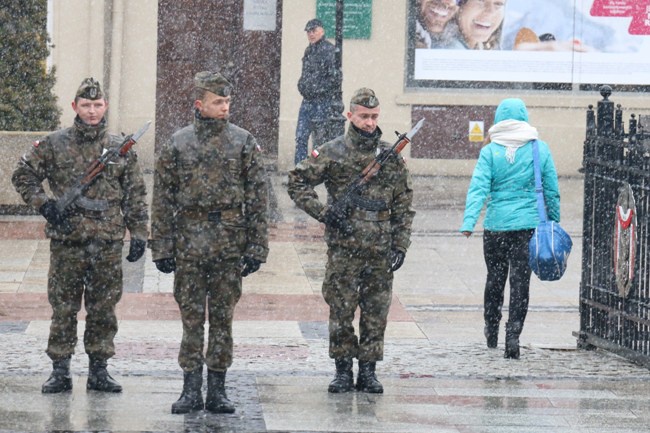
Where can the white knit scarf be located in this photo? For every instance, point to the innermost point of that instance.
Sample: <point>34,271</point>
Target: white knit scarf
<point>512,134</point>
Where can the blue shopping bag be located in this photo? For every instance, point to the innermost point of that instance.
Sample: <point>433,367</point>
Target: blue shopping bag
<point>549,250</point>
<point>550,246</point>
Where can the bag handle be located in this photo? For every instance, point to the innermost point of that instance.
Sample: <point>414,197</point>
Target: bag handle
<point>541,206</point>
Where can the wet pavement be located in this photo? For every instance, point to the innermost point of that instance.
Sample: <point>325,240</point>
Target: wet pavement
<point>437,373</point>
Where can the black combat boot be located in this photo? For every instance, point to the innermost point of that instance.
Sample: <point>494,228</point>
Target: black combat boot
<point>60,380</point>
<point>344,379</point>
<point>512,340</point>
<point>216,400</point>
<point>191,398</point>
<point>491,332</point>
<point>99,379</point>
<point>367,380</point>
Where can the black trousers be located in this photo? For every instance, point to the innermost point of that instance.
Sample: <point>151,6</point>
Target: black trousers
<point>506,253</point>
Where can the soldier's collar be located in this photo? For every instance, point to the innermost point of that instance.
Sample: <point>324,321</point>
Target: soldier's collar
<point>86,132</point>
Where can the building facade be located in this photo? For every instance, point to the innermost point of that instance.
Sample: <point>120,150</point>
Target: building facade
<point>145,52</point>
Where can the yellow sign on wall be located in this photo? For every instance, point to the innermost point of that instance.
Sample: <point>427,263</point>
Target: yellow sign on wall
<point>476,131</point>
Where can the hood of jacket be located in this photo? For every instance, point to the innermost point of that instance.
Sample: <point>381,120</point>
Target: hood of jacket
<point>511,128</point>
<point>511,109</point>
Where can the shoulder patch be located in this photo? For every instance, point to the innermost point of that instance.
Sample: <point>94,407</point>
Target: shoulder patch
<point>315,153</point>
<point>36,143</point>
<point>258,147</point>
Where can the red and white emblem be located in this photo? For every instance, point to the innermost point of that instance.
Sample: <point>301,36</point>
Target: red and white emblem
<point>625,239</point>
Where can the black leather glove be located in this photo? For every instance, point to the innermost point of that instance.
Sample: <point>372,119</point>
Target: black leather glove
<point>136,250</point>
<point>338,220</point>
<point>396,259</point>
<point>58,220</point>
<point>249,265</point>
<point>52,214</point>
<point>166,266</point>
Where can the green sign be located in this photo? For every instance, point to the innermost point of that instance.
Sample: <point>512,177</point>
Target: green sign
<point>357,18</point>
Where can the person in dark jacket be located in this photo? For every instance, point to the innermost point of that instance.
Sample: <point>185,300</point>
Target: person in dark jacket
<point>504,178</point>
<point>319,85</point>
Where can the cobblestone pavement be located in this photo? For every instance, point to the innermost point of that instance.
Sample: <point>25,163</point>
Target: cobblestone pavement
<point>437,373</point>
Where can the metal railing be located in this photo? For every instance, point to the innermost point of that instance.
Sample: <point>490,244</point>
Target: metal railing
<point>615,283</point>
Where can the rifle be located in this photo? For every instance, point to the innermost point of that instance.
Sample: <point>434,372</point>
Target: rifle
<point>339,209</point>
<point>72,194</point>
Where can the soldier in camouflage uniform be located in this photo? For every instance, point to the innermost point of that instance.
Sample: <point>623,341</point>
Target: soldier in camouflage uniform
<point>365,245</point>
<point>209,225</point>
<point>85,241</point>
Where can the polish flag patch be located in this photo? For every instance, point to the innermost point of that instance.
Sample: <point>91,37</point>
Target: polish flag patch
<point>315,153</point>
<point>36,143</point>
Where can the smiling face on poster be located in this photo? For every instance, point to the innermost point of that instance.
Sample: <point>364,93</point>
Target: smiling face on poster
<point>534,41</point>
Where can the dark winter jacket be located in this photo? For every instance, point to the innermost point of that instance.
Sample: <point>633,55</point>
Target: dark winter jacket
<point>320,77</point>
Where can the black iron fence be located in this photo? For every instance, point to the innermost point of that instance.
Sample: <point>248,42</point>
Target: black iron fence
<point>615,284</point>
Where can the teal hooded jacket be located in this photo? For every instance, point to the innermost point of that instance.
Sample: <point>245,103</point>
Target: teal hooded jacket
<point>508,187</point>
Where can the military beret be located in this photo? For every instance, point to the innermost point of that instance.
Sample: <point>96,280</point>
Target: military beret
<point>312,24</point>
<point>365,97</point>
<point>89,89</point>
<point>213,82</point>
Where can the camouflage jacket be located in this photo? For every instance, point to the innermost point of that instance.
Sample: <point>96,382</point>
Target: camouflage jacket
<point>337,164</point>
<point>62,159</point>
<point>210,195</point>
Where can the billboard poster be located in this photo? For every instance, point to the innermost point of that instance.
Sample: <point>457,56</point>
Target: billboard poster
<point>529,41</point>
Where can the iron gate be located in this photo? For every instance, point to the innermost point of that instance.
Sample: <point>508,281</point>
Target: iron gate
<point>615,283</point>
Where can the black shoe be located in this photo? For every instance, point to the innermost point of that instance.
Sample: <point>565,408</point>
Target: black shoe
<point>344,379</point>
<point>216,400</point>
<point>60,380</point>
<point>99,379</point>
<point>491,333</point>
<point>512,349</point>
<point>513,330</point>
<point>367,380</point>
<point>191,399</point>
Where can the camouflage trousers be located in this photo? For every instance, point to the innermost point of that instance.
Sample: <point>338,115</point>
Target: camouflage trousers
<point>217,283</point>
<point>92,271</point>
<point>354,279</point>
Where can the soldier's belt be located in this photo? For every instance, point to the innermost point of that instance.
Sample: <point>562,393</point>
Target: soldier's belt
<point>370,215</point>
<point>213,216</point>
<point>83,243</point>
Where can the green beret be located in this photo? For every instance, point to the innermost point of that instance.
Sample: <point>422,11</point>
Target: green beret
<point>365,97</point>
<point>213,82</point>
<point>89,89</point>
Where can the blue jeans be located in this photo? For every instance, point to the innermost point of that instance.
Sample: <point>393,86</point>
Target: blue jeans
<point>312,119</point>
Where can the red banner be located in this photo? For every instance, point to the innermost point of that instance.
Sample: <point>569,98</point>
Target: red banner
<point>640,24</point>
<point>612,8</point>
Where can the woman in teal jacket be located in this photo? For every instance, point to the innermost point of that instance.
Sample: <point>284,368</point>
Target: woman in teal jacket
<point>504,177</point>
